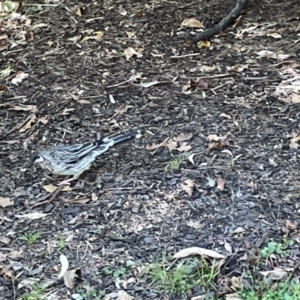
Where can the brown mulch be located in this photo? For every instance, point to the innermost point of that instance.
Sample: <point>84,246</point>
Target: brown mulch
<point>132,206</point>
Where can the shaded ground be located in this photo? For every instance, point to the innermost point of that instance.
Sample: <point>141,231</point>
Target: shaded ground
<point>132,206</point>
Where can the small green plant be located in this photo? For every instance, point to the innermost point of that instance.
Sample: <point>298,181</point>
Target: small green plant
<point>29,237</point>
<point>61,242</point>
<point>287,290</point>
<point>9,7</point>
<point>175,162</point>
<point>115,273</point>
<point>6,72</point>
<point>276,248</point>
<point>90,293</point>
<point>185,276</point>
<point>33,9</point>
<point>35,294</point>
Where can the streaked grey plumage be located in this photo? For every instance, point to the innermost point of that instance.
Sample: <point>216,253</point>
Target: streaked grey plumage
<point>75,159</point>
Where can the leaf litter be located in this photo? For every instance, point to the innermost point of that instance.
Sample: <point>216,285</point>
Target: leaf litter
<point>244,191</point>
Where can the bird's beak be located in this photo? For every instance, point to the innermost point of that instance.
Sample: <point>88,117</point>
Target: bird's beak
<point>30,164</point>
<point>36,159</point>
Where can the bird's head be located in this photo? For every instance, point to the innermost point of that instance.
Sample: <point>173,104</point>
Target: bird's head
<point>37,159</point>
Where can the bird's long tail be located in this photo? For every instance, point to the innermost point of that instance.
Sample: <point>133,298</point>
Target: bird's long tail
<point>112,140</point>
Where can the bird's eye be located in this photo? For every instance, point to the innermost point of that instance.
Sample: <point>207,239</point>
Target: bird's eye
<point>38,159</point>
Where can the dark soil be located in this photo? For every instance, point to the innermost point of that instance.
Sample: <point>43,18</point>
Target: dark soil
<point>133,205</point>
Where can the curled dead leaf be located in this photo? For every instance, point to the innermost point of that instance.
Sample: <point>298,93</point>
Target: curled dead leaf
<point>223,115</point>
<point>122,11</point>
<point>191,22</point>
<point>69,278</point>
<point>64,265</point>
<point>198,251</point>
<point>188,186</point>
<point>276,274</point>
<point>218,142</point>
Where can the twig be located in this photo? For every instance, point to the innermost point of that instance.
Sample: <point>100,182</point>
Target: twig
<point>56,192</point>
<point>207,34</point>
<point>18,126</point>
<point>185,55</point>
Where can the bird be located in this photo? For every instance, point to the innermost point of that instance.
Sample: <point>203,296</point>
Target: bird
<point>74,159</point>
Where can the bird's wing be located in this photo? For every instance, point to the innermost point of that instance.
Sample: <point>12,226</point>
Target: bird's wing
<point>70,154</point>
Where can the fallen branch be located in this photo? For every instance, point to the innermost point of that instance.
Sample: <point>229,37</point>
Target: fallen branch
<point>207,34</point>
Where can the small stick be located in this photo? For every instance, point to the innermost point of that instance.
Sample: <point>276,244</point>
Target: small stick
<point>56,192</point>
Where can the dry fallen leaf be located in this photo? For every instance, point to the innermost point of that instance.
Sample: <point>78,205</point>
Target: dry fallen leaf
<point>5,201</point>
<point>236,282</point>
<point>155,146</point>
<point>28,282</point>
<point>188,186</point>
<point>195,224</point>
<point>198,251</point>
<point>225,116</point>
<point>19,77</point>
<point>233,296</point>
<point>122,109</point>
<point>130,34</point>
<point>66,111</point>
<point>152,83</point>
<point>274,35</point>
<point>227,246</point>
<point>50,188</point>
<point>237,69</point>
<point>291,99</point>
<point>171,145</point>
<point>271,54</point>
<point>32,108</point>
<point>64,265</point>
<point>28,123</point>
<point>220,183</point>
<point>191,22</point>
<point>217,142</point>
<point>184,147</point>
<point>122,295</point>
<point>7,274</point>
<point>276,274</point>
<point>32,216</point>
<point>122,11</point>
<point>129,52</point>
<point>203,44</point>
<point>290,225</point>
<point>182,137</point>
<point>69,277</point>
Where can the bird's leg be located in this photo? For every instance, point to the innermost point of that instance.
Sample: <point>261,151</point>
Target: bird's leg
<point>66,182</point>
